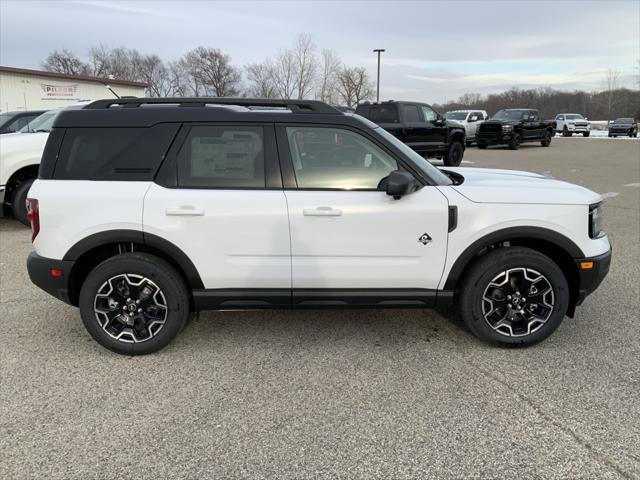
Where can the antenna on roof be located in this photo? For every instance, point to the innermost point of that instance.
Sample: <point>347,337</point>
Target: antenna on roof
<point>111,90</point>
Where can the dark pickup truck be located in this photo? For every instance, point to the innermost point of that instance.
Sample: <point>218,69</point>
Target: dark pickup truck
<point>420,127</point>
<point>514,126</point>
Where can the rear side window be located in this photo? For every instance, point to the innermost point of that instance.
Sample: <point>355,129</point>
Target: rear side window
<point>411,113</point>
<point>132,154</point>
<point>230,156</point>
<point>384,114</point>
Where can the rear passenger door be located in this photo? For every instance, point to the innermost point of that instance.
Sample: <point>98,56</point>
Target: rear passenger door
<point>219,198</point>
<point>419,134</point>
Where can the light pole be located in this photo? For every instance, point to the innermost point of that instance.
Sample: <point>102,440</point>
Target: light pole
<point>378,51</point>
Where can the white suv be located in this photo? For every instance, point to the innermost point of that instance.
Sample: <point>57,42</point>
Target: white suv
<point>569,123</point>
<point>141,216</point>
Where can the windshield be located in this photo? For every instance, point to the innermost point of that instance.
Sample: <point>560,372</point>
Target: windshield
<point>42,123</point>
<point>510,114</point>
<point>428,169</point>
<point>574,116</point>
<point>5,116</point>
<point>455,115</point>
<point>624,121</point>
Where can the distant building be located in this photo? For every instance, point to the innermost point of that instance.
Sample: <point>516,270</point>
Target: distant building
<point>23,89</point>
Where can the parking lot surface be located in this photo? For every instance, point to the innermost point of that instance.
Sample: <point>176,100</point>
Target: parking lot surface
<point>337,394</point>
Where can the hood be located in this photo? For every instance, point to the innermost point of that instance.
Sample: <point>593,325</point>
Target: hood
<point>488,185</point>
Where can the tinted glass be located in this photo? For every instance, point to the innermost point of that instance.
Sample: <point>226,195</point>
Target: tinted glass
<point>337,158</point>
<point>575,116</point>
<point>222,157</point>
<point>430,114</point>
<point>624,121</point>
<point>384,114</point>
<point>113,153</point>
<point>42,123</point>
<point>411,113</point>
<point>18,123</point>
<point>455,115</point>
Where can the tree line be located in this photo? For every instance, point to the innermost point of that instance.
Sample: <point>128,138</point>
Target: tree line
<point>299,71</point>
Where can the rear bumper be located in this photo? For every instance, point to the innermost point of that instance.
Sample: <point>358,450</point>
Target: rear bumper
<point>39,269</point>
<point>591,278</point>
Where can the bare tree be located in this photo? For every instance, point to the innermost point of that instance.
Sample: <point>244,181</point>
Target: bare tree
<point>99,60</point>
<point>213,71</point>
<point>305,64</point>
<point>354,85</point>
<point>328,77</point>
<point>261,81</point>
<point>152,71</point>
<point>65,62</point>
<point>611,83</point>
<point>284,74</point>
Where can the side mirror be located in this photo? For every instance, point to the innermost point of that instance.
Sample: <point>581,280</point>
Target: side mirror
<point>531,118</point>
<point>399,184</point>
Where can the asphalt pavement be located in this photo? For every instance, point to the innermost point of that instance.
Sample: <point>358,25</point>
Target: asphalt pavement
<point>390,394</point>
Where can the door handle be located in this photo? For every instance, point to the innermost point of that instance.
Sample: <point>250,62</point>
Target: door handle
<point>185,210</point>
<point>322,212</point>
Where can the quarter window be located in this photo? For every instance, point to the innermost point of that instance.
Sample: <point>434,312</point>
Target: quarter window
<point>411,113</point>
<point>336,158</point>
<point>222,157</point>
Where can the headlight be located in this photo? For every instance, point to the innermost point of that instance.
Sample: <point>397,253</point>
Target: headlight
<point>507,128</point>
<point>595,221</point>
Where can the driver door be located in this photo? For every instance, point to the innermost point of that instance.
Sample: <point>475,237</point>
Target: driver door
<point>346,232</point>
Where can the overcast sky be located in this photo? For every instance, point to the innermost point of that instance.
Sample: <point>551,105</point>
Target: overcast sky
<point>435,50</point>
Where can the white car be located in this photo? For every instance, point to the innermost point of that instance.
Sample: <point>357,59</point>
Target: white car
<point>469,119</point>
<point>569,123</point>
<point>142,215</point>
<point>20,155</point>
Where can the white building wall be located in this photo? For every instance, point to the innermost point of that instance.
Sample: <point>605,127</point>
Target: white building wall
<point>33,92</point>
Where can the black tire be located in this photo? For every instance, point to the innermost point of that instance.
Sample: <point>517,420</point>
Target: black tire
<point>515,142</point>
<point>586,134</point>
<point>19,201</point>
<point>565,132</point>
<point>482,146</point>
<point>492,266</point>
<point>454,155</point>
<point>160,275</point>
<point>546,140</point>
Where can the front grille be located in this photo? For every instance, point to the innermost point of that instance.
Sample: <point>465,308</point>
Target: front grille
<point>581,124</point>
<point>490,127</point>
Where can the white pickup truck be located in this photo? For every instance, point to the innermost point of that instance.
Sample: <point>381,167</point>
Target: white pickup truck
<point>569,123</point>
<point>469,119</point>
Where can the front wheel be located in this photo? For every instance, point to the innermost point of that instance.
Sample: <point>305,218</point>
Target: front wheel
<point>516,140</point>
<point>134,303</point>
<point>546,140</point>
<point>482,145</point>
<point>454,155</point>
<point>586,134</point>
<point>514,296</point>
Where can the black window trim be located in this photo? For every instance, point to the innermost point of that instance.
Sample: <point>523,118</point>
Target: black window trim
<point>289,180</point>
<point>167,175</point>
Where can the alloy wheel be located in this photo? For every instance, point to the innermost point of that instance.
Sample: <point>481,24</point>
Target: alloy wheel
<point>518,302</point>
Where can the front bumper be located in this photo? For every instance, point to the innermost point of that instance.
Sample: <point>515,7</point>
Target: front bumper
<point>39,269</point>
<point>591,278</point>
<point>620,131</point>
<point>491,138</point>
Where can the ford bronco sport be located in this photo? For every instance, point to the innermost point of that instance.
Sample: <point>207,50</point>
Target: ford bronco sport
<point>143,215</point>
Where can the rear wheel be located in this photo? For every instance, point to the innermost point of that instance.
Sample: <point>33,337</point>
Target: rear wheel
<point>134,303</point>
<point>516,140</point>
<point>454,155</point>
<point>514,296</point>
<point>482,145</point>
<point>546,140</point>
<point>19,201</point>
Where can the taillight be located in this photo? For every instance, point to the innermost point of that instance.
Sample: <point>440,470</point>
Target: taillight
<point>33,215</point>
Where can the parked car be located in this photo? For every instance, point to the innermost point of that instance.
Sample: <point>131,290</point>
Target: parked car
<point>11,122</point>
<point>570,123</point>
<point>419,126</point>
<point>20,155</point>
<point>623,126</point>
<point>512,127</point>
<point>141,215</point>
<point>469,119</point>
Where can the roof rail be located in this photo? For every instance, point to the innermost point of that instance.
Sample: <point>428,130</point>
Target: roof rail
<point>296,106</point>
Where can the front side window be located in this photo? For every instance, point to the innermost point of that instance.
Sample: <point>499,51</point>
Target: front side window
<point>336,158</point>
<point>222,157</point>
<point>430,114</point>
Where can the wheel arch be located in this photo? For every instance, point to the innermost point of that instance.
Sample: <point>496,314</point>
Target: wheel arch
<point>558,247</point>
<point>23,173</point>
<point>94,249</point>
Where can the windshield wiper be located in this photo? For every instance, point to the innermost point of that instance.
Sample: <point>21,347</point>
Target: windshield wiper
<point>41,130</point>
